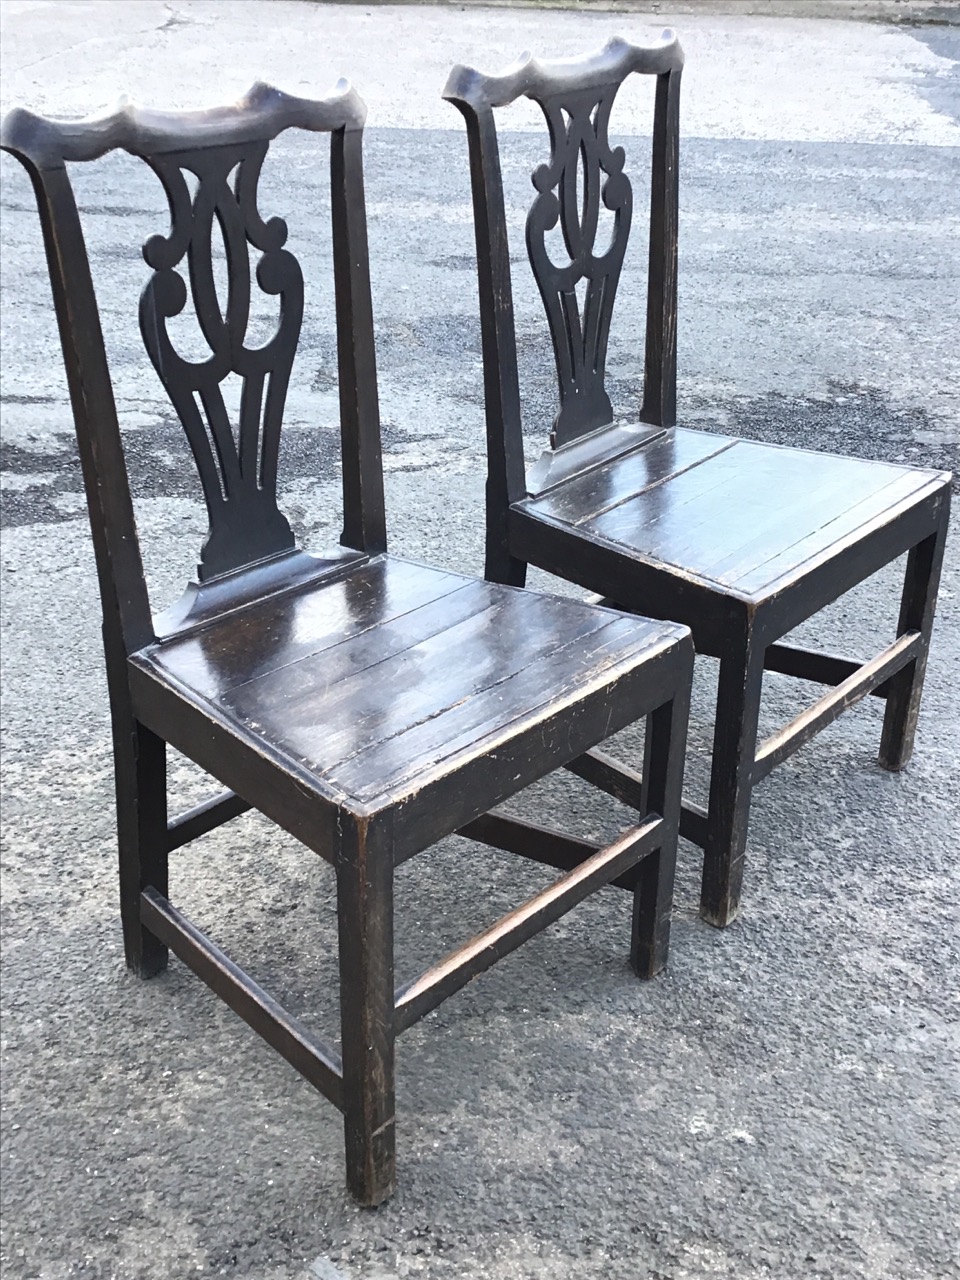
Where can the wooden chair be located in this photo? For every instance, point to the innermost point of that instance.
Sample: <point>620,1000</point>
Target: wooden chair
<point>368,705</point>
<point>741,541</point>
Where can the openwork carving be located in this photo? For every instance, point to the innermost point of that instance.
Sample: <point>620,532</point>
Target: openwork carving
<point>238,473</point>
<point>583,170</point>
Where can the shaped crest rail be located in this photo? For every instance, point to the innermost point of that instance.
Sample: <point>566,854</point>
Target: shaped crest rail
<point>261,114</point>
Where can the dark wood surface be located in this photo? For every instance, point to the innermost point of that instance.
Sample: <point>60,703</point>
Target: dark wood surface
<point>367,705</point>
<point>742,541</point>
<point>739,515</point>
<point>371,712</point>
<point>576,96</point>
<point>396,671</point>
<point>238,472</point>
<point>578,122</point>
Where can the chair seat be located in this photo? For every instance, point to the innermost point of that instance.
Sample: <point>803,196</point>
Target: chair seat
<point>739,516</point>
<point>393,675</point>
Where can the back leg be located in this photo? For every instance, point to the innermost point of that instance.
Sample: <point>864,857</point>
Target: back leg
<point>141,780</point>
<point>917,607</point>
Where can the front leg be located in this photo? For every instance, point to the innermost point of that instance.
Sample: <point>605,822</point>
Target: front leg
<point>365,915</point>
<point>731,777</point>
<point>663,759</point>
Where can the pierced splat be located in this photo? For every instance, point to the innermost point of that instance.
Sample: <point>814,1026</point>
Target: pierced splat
<point>237,468</point>
<point>582,171</point>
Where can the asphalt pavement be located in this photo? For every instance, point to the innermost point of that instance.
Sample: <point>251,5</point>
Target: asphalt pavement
<point>782,1103</point>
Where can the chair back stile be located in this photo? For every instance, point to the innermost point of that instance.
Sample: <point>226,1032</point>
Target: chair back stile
<point>249,537</point>
<point>506,478</point>
<point>660,355</point>
<point>576,97</point>
<point>364,518</point>
<point>127,623</point>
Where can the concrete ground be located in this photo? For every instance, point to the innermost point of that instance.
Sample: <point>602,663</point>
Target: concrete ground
<point>782,1102</point>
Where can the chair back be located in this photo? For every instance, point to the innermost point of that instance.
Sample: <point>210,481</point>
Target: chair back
<point>576,96</point>
<point>250,547</point>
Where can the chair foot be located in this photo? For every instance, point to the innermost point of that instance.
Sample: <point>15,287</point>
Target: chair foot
<point>504,568</point>
<point>371,1161</point>
<point>917,608</point>
<point>653,899</point>
<point>896,757</point>
<point>719,914</point>
<point>152,959</point>
<point>722,884</point>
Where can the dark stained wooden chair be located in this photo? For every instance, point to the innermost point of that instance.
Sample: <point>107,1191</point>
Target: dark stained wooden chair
<point>741,541</point>
<point>368,705</point>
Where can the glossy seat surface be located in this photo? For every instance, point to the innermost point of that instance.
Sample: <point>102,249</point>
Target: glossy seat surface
<point>394,672</point>
<point>739,515</point>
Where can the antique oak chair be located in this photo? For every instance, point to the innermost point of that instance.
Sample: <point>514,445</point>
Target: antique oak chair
<point>367,705</point>
<point>741,541</point>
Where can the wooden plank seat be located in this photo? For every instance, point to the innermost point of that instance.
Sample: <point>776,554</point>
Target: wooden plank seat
<point>742,541</point>
<point>368,705</point>
<point>735,516</point>
<point>384,686</point>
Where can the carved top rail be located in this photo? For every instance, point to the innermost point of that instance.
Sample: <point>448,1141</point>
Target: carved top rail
<point>531,78</point>
<point>261,114</point>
